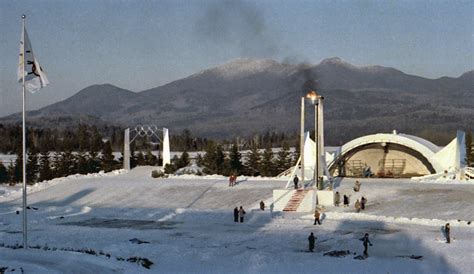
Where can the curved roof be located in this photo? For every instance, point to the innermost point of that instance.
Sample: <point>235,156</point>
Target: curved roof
<point>424,147</point>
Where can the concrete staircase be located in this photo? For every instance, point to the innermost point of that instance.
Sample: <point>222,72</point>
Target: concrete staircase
<point>295,200</point>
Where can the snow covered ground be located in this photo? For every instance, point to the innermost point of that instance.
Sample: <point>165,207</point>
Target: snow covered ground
<point>187,227</point>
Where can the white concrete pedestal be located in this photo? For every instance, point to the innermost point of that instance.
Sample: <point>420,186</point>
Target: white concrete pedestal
<point>325,197</point>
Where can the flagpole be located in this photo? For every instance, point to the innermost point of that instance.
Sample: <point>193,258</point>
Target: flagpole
<point>25,243</point>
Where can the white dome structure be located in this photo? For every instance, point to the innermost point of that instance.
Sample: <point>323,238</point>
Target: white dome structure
<point>396,155</point>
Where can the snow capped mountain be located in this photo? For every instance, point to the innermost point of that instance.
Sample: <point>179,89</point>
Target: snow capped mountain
<point>247,96</point>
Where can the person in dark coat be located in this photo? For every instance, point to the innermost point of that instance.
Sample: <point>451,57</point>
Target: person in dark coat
<point>363,201</point>
<point>447,231</point>
<point>366,242</point>
<point>262,205</point>
<point>295,181</point>
<point>241,214</point>
<point>346,201</point>
<point>236,215</point>
<point>311,240</point>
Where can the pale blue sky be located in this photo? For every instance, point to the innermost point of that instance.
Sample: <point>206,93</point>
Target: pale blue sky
<point>143,44</point>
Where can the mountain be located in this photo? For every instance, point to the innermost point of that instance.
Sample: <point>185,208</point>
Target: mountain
<point>248,96</point>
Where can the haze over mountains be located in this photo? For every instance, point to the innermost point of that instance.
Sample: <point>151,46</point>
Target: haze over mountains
<point>249,96</point>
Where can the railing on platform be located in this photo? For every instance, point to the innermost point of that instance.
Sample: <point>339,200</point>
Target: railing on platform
<point>469,172</point>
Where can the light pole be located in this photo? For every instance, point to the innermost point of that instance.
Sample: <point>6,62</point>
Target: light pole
<point>315,99</point>
<point>302,141</point>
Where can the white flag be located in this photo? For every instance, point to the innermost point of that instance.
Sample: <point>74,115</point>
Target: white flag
<point>29,67</point>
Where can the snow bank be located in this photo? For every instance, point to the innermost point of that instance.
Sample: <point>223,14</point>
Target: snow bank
<point>13,192</point>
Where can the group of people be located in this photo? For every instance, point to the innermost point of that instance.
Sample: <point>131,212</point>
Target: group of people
<point>359,204</point>
<point>232,180</point>
<point>239,214</point>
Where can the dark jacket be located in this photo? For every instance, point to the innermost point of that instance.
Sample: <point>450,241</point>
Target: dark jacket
<point>311,239</point>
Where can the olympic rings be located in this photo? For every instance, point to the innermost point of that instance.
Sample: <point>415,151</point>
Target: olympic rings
<point>146,130</point>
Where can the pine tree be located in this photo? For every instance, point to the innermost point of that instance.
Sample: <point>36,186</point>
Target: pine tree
<point>183,160</point>
<point>82,163</point>
<point>108,162</point>
<point>209,159</point>
<point>150,159</point>
<point>283,161</point>
<point>221,161</point>
<point>267,167</point>
<point>45,172</point>
<point>16,170</point>
<point>235,163</point>
<point>93,162</point>
<point>57,170</point>
<point>470,149</point>
<point>67,165</point>
<point>3,173</point>
<point>252,164</point>
<point>32,166</point>
<point>140,159</point>
<point>84,137</point>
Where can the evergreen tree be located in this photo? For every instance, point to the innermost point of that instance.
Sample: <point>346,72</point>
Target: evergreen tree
<point>16,171</point>
<point>45,172</point>
<point>283,161</point>
<point>32,166</point>
<point>93,162</point>
<point>67,165</point>
<point>82,163</point>
<point>108,162</point>
<point>56,164</point>
<point>96,143</point>
<point>3,173</point>
<point>150,159</point>
<point>140,159</point>
<point>267,167</point>
<point>221,161</point>
<point>183,160</point>
<point>84,137</point>
<point>235,163</point>
<point>209,159</point>
<point>470,149</point>
<point>252,164</point>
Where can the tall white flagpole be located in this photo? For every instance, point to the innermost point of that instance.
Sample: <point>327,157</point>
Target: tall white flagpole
<point>25,242</point>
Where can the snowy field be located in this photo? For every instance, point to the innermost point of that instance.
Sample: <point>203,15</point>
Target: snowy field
<point>185,225</point>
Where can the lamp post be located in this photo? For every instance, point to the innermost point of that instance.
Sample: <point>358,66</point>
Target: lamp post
<point>315,99</point>
<point>302,140</point>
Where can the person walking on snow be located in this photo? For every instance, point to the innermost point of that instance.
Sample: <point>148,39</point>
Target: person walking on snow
<point>366,242</point>
<point>311,240</point>
<point>357,186</point>
<point>346,201</point>
<point>447,231</point>
<point>337,198</point>
<point>262,205</point>
<point>241,214</point>
<point>236,215</point>
<point>357,205</point>
<point>295,181</point>
<point>363,201</point>
<point>317,215</point>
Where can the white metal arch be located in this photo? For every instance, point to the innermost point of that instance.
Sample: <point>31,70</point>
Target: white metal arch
<point>420,145</point>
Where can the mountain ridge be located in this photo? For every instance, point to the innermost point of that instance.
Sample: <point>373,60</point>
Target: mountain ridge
<point>246,96</point>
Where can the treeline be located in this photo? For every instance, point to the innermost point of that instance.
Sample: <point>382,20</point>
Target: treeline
<point>41,166</point>
<point>86,138</point>
<point>470,149</point>
<point>254,163</point>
